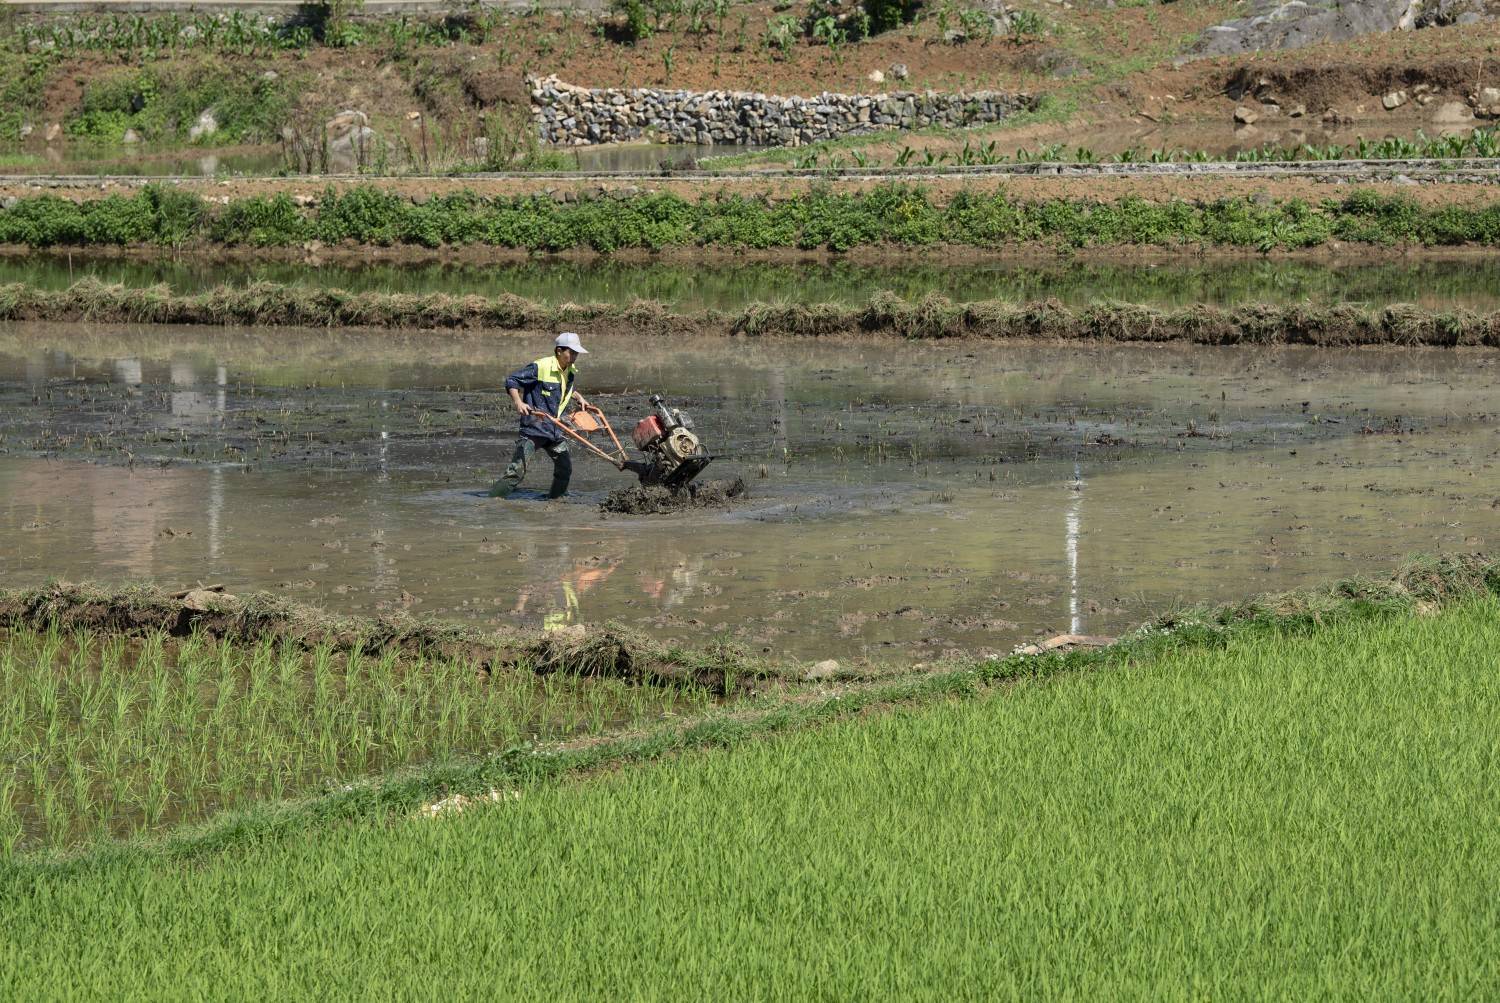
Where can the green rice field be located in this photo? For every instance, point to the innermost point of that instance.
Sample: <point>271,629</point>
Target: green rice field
<point>1302,808</point>
<point>103,735</point>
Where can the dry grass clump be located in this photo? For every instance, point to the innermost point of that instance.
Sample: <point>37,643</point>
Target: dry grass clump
<point>931,316</point>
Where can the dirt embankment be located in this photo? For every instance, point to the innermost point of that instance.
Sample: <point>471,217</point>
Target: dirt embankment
<point>606,650</point>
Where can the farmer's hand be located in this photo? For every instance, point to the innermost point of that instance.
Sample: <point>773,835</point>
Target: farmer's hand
<point>522,409</point>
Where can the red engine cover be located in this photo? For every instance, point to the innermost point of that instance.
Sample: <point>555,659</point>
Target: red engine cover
<point>647,431</point>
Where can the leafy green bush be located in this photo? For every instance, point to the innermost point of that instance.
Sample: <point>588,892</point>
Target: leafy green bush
<point>365,215</point>
<point>635,26</point>
<point>885,15</point>
<point>781,34</point>
<point>21,88</point>
<point>42,221</point>
<point>821,218</point>
<point>261,222</point>
<point>158,215</point>
<point>110,104</point>
<point>179,215</point>
<point>163,102</point>
<point>1026,24</point>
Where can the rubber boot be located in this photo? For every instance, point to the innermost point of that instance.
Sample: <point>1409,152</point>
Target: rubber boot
<point>562,470</point>
<point>511,479</point>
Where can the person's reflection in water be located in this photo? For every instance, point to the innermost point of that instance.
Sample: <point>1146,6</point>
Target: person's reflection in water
<point>585,575</point>
<point>677,585</point>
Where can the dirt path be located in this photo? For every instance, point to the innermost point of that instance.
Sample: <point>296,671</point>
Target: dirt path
<point>1429,182</point>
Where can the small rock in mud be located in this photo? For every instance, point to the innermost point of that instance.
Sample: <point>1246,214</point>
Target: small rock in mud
<point>658,500</point>
<point>208,600</point>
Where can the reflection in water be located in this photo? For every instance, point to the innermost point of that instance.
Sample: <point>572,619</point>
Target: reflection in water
<point>1472,282</point>
<point>215,512</point>
<point>564,593</point>
<point>1075,511</point>
<point>104,160</point>
<point>128,371</point>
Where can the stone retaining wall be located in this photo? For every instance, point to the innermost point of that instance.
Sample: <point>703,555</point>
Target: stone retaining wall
<point>581,116</point>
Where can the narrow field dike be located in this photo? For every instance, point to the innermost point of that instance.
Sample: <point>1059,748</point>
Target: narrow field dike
<point>885,313</point>
<point>609,650</point>
<point>897,214</point>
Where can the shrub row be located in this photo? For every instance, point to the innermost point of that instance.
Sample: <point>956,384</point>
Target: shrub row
<point>822,218</point>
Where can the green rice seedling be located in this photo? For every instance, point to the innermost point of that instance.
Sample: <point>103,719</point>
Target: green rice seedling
<point>90,693</point>
<point>160,691</point>
<point>120,706</point>
<point>11,829</point>
<point>155,793</point>
<point>46,697</point>
<point>8,666</point>
<point>322,683</point>
<point>80,781</point>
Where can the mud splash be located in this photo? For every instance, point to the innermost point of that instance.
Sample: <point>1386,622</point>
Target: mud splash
<point>658,500</point>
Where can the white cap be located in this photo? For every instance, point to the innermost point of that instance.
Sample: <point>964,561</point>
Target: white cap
<point>570,340</point>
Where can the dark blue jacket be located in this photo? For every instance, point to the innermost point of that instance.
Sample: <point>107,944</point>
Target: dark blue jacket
<point>545,386</point>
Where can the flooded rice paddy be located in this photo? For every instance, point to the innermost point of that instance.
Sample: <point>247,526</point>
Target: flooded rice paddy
<point>905,501</point>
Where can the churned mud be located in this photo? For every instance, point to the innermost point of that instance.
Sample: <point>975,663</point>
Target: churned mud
<point>658,500</point>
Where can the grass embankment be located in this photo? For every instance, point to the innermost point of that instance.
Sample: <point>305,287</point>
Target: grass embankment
<point>268,304</point>
<point>159,100</point>
<point>1285,806</point>
<point>888,214</point>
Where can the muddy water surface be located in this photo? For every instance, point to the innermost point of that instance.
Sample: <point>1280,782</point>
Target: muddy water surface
<point>905,501</point>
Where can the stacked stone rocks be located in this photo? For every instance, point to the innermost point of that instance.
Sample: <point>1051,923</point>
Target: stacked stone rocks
<point>579,116</point>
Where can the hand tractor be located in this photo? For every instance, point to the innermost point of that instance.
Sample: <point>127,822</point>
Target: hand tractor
<point>665,437</point>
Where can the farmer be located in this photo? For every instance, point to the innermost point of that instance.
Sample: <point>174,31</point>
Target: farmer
<point>543,387</point>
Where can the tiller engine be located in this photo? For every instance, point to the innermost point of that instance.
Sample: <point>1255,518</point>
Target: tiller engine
<point>666,437</point>
<point>673,453</point>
